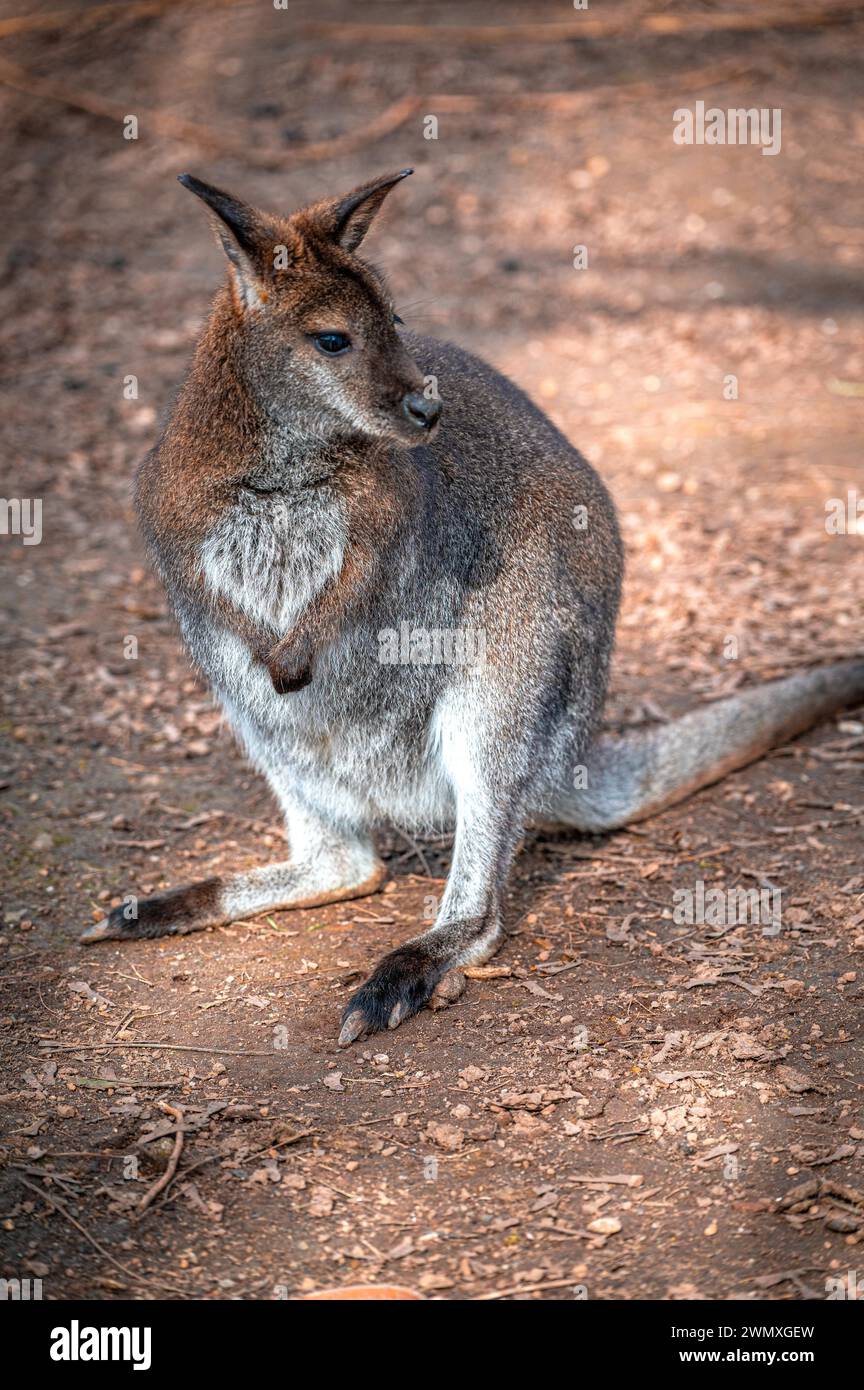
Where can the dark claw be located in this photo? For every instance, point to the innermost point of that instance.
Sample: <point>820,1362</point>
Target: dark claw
<point>399,986</point>
<point>353,1027</point>
<point>100,931</point>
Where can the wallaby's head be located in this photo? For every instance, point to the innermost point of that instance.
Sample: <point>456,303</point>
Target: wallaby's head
<point>312,325</point>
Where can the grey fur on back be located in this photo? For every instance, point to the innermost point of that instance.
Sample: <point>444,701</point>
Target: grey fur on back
<point>493,545</point>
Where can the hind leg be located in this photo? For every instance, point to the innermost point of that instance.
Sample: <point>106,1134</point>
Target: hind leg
<point>329,864</point>
<point>489,775</point>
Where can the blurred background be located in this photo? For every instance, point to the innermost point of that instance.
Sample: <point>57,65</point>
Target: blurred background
<point>690,315</point>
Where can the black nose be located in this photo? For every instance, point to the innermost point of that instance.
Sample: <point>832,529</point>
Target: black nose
<point>420,410</point>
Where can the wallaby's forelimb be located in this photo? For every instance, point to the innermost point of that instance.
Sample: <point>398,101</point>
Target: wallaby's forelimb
<point>291,662</point>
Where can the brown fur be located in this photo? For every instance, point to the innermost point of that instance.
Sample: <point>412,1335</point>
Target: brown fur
<point>212,443</point>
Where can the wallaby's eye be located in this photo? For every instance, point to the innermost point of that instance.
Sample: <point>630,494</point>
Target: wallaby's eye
<point>332,344</point>
<point>396,319</point>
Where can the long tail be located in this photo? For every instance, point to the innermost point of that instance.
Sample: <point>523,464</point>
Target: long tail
<point>632,777</point>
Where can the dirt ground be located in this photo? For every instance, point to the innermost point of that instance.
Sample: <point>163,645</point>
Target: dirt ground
<point>621,1108</point>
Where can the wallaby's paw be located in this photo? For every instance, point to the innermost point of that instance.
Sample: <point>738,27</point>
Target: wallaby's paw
<point>401,984</point>
<point>291,662</point>
<point>288,676</point>
<point>164,914</point>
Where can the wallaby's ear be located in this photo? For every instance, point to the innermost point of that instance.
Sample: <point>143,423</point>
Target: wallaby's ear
<point>249,238</point>
<point>347,220</point>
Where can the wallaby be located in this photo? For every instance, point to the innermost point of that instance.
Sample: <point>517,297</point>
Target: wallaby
<point>307,501</point>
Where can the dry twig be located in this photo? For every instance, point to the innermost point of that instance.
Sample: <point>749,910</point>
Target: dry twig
<point>166,1178</point>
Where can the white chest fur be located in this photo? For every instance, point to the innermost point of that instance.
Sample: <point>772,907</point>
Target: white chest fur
<point>270,556</point>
